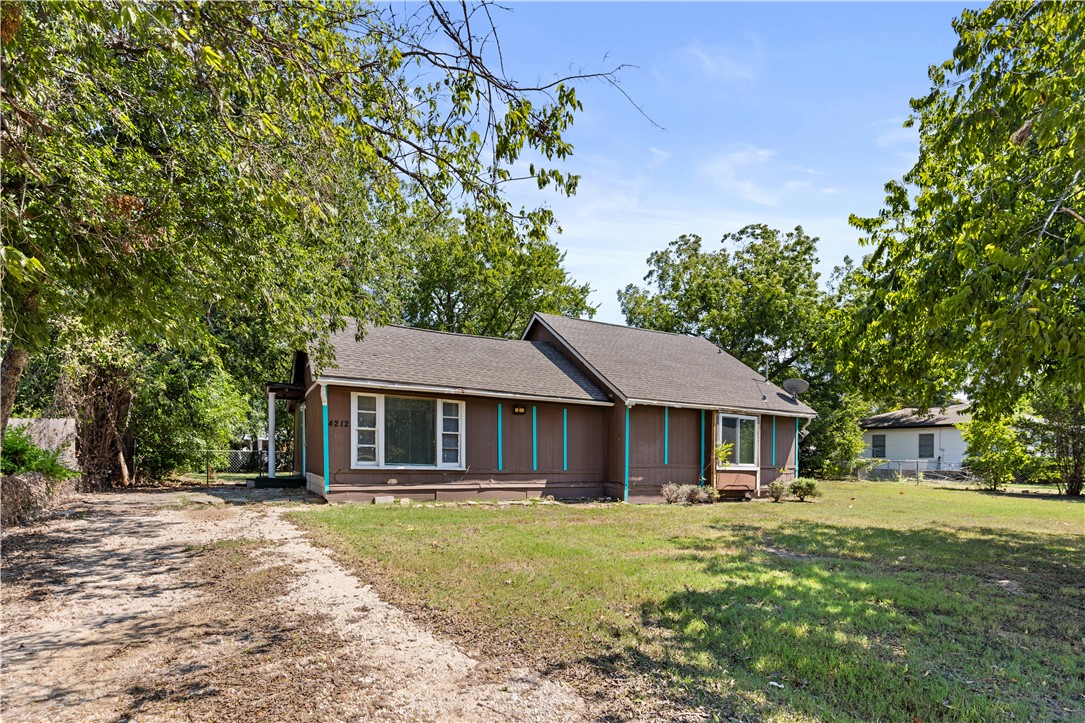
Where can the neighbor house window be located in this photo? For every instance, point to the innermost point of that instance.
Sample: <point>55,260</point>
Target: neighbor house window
<point>877,446</point>
<point>741,434</point>
<point>393,431</point>
<point>926,446</point>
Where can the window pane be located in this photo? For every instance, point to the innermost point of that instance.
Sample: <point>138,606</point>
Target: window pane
<point>926,445</point>
<point>452,409</point>
<point>729,435</point>
<point>409,431</point>
<point>877,446</point>
<point>367,404</point>
<point>367,437</point>
<point>450,456</point>
<point>367,420</point>
<point>451,424</point>
<point>450,440</point>
<point>367,453</point>
<point>747,441</point>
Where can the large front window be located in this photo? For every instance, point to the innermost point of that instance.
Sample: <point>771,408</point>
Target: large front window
<point>406,431</point>
<point>741,434</point>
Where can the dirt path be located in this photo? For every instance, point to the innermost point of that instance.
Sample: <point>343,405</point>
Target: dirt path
<point>166,606</point>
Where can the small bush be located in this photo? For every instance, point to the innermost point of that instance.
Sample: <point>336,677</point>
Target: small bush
<point>778,490</point>
<point>688,494</point>
<point>804,487</point>
<point>20,454</point>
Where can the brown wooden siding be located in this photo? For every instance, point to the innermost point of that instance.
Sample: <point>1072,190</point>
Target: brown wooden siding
<point>518,477</point>
<point>785,449</point>
<point>651,463</point>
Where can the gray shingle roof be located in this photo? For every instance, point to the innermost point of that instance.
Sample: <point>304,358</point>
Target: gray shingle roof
<point>953,415</point>
<point>668,368</point>
<point>403,355</point>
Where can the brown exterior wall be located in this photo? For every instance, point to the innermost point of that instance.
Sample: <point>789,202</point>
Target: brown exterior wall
<point>596,452</point>
<point>652,463</point>
<point>517,478</point>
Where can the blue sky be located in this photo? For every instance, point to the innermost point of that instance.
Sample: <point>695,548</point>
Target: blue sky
<point>778,113</point>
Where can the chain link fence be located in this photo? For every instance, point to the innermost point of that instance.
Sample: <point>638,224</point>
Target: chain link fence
<point>212,462</point>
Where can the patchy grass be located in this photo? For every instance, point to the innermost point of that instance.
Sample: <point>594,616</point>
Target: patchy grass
<point>880,601</point>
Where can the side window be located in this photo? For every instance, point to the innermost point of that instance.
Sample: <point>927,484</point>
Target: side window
<point>365,425</point>
<point>926,446</point>
<point>451,433</point>
<point>877,446</point>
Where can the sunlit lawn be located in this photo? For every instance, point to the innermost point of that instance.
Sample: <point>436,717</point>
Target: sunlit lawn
<point>878,601</point>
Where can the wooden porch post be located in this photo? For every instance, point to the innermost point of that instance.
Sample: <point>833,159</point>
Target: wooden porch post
<point>271,434</point>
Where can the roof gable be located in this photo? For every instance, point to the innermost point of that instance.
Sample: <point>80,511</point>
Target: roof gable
<point>646,366</point>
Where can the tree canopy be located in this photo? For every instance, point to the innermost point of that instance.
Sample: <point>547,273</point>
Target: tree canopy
<point>978,266</point>
<point>757,297</point>
<point>167,162</point>
<point>477,276</point>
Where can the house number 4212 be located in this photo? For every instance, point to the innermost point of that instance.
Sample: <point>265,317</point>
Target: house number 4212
<point>337,422</point>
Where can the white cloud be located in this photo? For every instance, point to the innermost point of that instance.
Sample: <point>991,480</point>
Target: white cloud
<point>831,190</point>
<point>731,170</point>
<point>718,65</point>
<point>659,157</point>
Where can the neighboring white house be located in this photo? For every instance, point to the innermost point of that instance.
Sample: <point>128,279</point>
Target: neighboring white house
<point>911,442</point>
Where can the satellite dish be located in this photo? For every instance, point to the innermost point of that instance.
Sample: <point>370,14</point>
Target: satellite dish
<point>795,387</point>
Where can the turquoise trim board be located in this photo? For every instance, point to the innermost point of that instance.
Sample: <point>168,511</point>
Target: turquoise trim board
<point>701,476</point>
<point>774,441</point>
<point>626,497</point>
<point>666,435</point>
<point>327,462</point>
<point>534,440</point>
<point>500,461</point>
<point>565,438</point>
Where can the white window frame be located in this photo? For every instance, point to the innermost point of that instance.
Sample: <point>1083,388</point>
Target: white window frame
<point>437,430</point>
<point>756,440</point>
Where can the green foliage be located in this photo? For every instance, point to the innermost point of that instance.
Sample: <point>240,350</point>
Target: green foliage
<point>761,303</point>
<point>777,490</point>
<point>20,454</point>
<point>477,276</point>
<point>183,406</point>
<point>758,301</point>
<point>169,164</point>
<point>803,487</point>
<point>723,452</point>
<point>1056,431</point>
<point>996,451</point>
<point>979,253</point>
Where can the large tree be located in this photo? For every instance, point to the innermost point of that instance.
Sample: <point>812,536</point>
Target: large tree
<point>167,162</point>
<point>475,275</point>
<point>978,269</point>
<point>757,297</point>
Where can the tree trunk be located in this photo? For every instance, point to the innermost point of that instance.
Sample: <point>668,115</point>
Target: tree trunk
<point>11,371</point>
<point>16,357</point>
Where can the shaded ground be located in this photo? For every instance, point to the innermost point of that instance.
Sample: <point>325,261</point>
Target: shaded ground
<point>208,605</point>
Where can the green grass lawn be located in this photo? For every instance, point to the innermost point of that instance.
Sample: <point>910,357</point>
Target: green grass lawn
<point>880,601</point>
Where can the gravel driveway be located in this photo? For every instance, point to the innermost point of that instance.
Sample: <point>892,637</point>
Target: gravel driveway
<point>207,604</point>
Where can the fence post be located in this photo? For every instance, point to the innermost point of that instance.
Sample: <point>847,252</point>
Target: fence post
<point>207,466</point>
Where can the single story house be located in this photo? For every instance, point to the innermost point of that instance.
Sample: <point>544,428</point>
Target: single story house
<point>573,409</point>
<point>914,442</point>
